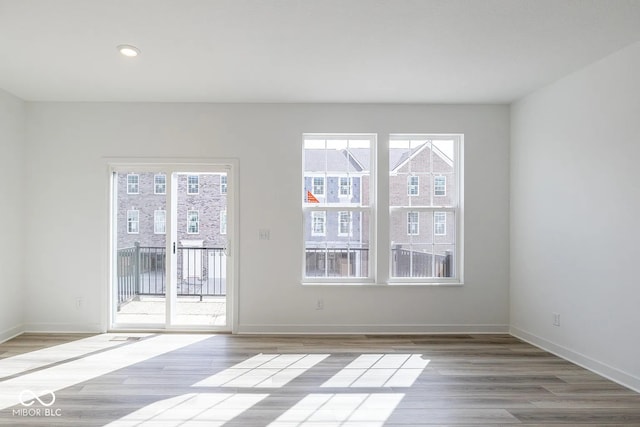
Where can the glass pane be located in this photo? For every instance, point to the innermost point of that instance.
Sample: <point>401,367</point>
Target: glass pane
<point>337,244</point>
<point>409,227</point>
<point>422,243</point>
<point>201,256</point>
<point>337,171</point>
<point>422,172</point>
<point>140,252</point>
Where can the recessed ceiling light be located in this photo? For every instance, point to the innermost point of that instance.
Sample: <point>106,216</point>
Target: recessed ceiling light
<point>128,50</point>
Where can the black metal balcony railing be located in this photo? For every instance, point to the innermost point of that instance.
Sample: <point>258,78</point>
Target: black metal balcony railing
<point>354,262</point>
<point>202,271</point>
<point>408,263</point>
<point>141,271</point>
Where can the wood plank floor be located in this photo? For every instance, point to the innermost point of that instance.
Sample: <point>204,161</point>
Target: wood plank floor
<point>209,380</point>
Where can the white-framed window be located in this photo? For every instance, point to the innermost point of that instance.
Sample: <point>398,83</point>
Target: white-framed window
<point>133,221</point>
<point>193,184</point>
<point>413,185</point>
<point>223,221</point>
<point>344,223</point>
<point>133,183</point>
<point>439,223</point>
<point>413,223</point>
<point>345,185</point>
<point>193,222</point>
<point>429,252</point>
<point>317,186</point>
<point>160,183</point>
<point>338,225</point>
<point>440,185</point>
<point>223,184</point>
<point>318,223</point>
<point>160,221</point>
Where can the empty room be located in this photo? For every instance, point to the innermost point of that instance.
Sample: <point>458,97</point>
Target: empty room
<point>319,213</point>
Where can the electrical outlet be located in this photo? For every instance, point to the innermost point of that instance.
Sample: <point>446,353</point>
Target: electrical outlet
<point>320,304</point>
<point>556,319</point>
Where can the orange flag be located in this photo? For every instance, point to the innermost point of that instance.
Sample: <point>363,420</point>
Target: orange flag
<point>311,198</point>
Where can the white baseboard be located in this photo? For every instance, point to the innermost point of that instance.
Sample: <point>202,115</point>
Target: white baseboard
<point>614,374</point>
<point>357,329</point>
<point>7,334</point>
<point>67,328</point>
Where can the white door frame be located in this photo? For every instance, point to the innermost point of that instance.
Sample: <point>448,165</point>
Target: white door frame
<point>172,167</point>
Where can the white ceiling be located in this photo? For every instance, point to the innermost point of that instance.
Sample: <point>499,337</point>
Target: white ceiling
<point>433,51</point>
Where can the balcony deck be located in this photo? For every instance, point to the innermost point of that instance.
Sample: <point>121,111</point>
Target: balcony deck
<point>211,311</point>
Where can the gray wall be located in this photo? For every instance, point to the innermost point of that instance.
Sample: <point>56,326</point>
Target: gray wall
<point>12,213</point>
<point>574,216</point>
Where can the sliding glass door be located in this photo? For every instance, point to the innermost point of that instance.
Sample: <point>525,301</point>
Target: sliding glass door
<point>171,228</point>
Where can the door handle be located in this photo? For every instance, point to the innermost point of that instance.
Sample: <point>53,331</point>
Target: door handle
<point>174,248</point>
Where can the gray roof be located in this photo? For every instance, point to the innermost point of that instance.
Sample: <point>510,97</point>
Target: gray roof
<point>358,161</point>
<point>336,161</point>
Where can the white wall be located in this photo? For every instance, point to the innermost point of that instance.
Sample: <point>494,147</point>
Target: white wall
<point>12,138</point>
<point>575,229</point>
<point>69,219</point>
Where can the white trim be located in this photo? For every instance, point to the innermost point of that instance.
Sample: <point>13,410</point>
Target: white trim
<point>131,221</point>
<point>137,184</point>
<point>435,177</point>
<point>189,213</point>
<point>410,231</point>
<point>411,186</point>
<point>156,222</point>
<point>319,215</point>
<point>155,185</point>
<point>197,185</point>
<point>223,214</point>
<point>349,186</point>
<point>223,185</point>
<point>621,377</point>
<point>349,223</point>
<point>324,186</point>
<point>376,329</point>
<point>443,223</point>
<point>11,333</point>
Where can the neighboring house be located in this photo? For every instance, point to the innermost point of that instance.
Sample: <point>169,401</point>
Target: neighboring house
<point>201,232</point>
<point>201,210</point>
<point>337,242</point>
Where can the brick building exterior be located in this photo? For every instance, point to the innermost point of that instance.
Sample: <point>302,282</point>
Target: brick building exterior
<point>201,212</point>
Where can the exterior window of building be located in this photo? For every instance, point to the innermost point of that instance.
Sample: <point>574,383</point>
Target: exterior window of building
<point>223,184</point>
<point>338,207</point>
<point>345,186</point>
<point>318,186</point>
<point>344,223</point>
<point>193,222</point>
<point>133,183</point>
<point>160,183</point>
<point>193,184</point>
<point>319,222</point>
<point>133,221</point>
<point>160,221</point>
<point>427,253</point>
<point>413,183</point>
<point>223,221</point>
<point>440,185</point>
<point>440,223</point>
<point>413,223</point>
